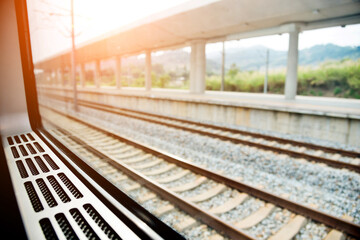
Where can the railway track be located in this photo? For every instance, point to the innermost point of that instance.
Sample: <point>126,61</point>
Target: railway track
<point>337,158</point>
<point>175,217</point>
<point>211,197</point>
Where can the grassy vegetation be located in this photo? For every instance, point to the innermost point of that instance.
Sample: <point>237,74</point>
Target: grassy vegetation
<point>332,79</point>
<point>335,79</point>
<point>134,76</point>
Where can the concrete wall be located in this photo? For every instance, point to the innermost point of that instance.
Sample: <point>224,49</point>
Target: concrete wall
<point>337,129</point>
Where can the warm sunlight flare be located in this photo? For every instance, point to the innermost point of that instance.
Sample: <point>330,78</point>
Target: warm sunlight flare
<point>107,15</point>
<point>93,18</point>
<point>180,119</point>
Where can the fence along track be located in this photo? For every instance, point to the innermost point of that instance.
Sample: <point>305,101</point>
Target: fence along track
<point>329,220</point>
<point>203,130</point>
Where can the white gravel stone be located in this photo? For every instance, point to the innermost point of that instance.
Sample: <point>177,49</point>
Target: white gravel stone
<point>186,179</point>
<point>242,211</point>
<point>312,230</point>
<point>332,190</point>
<point>167,174</point>
<point>198,190</point>
<point>335,191</point>
<point>217,200</point>
<point>200,231</point>
<point>270,225</point>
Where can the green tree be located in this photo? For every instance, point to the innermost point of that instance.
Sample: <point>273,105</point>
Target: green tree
<point>233,71</point>
<point>164,80</point>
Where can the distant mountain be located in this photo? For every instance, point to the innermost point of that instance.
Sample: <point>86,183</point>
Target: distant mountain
<point>251,58</point>
<point>321,53</point>
<point>173,59</point>
<point>170,60</point>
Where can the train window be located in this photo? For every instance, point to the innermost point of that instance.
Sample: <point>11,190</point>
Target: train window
<point>119,94</point>
<point>63,72</point>
<point>336,58</point>
<point>254,65</point>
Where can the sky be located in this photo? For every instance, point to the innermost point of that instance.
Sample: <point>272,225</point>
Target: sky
<point>50,20</point>
<point>347,36</point>
<point>50,25</point>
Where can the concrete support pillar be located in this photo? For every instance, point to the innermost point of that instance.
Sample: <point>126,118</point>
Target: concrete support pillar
<point>201,67</point>
<point>82,75</point>
<point>148,71</point>
<point>192,67</point>
<point>61,76</point>
<point>222,87</point>
<point>97,75</point>
<point>53,77</point>
<point>67,80</point>
<point>292,64</point>
<point>46,77</point>
<point>72,75</point>
<point>197,67</point>
<point>118,71</point>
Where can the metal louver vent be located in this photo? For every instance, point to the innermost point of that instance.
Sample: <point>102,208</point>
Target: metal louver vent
<point>41,164</point>
<point>59,190</point>
<point>10,141</point>
<point>55,203</point>
<point>46,193</point>
<point>23,137</point>
<point>75,192</point>
<point>15,152</point>
<point>23,150</point>
<point>31,148</point>
<point>51,162</point>
<point>31,166</point>
<point>30,136</point>
<point>17,139</point>
<point>33,196</point>
<point>21,168</point>
<point>66,226</point>
<point>83,224</point>
<point>47,229</point>
<point>100,221</point>
<point>38,146</point>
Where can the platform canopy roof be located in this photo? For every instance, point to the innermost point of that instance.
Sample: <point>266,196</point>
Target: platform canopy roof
<point>210,20</point>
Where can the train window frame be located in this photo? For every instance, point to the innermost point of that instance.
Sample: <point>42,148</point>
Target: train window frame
<point>77,165</point>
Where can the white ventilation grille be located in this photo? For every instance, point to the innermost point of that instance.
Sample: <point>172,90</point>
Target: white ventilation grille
<point>53,202</point>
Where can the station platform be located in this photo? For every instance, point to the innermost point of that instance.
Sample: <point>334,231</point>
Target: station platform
<point>335,107</point>
<point>331,119</point>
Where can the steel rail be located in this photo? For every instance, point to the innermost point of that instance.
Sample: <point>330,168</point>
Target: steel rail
<point>330,162</point>
<point>344,152</point>
<point>193,210</point>
<point>332,221</point>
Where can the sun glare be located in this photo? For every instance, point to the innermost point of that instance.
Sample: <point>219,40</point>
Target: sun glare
<point>50,20</point>
<point>105,16</point>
